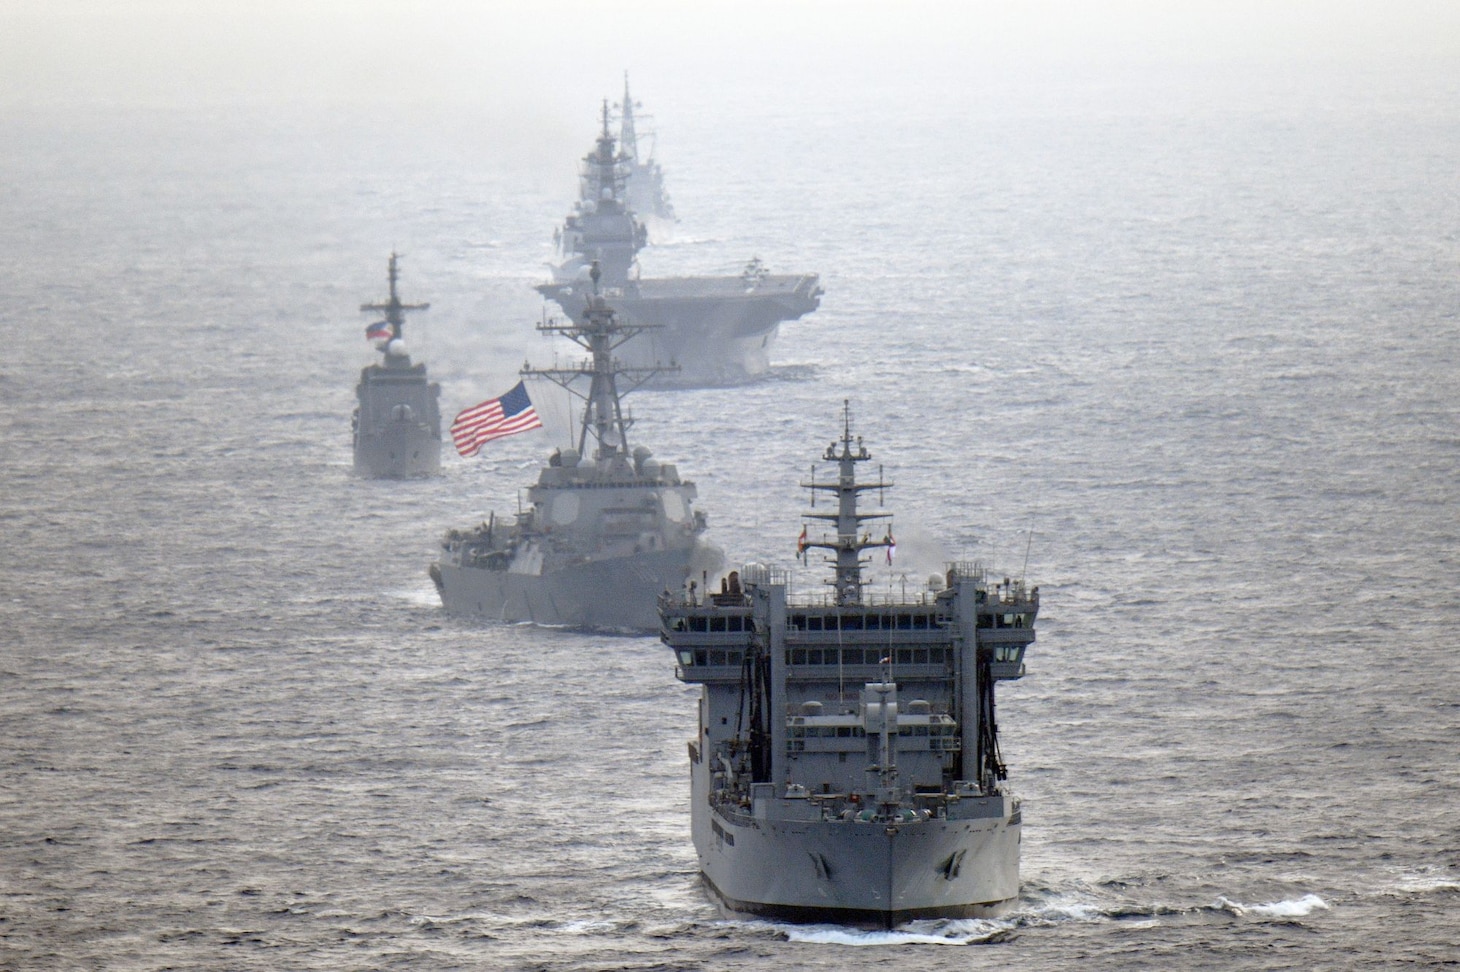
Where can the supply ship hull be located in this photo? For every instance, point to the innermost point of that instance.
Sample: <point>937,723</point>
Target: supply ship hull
<point>855,873</point>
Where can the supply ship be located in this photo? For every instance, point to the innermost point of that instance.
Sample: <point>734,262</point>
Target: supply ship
<point>717,329</point>
<point>606,527</point>
<point>846,768</point>
<point>397,421</point>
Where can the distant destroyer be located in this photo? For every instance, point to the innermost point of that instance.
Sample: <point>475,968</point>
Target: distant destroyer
<point>644,180</point>
<point>847,765</point>
<point>397,423</point>
<point>606,528</point>
<point>717,329</point>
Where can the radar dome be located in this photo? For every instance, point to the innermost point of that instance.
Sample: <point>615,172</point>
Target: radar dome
<point>397,347</point>
<point>754,573</point>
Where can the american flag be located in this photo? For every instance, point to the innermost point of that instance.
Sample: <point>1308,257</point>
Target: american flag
<point>378,331</point>
<point>493,419</point>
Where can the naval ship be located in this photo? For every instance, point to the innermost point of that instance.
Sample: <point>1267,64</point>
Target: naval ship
<point>606,527</point>
<point>718,329</point>
<point>644,182</point>
<point>847,764</point>
<point>397,423</point>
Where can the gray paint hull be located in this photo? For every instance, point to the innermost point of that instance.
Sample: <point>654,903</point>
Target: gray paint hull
<point>867,874</point>
<point>712,327</point>
<point>618,592</point>
<point>397,452</point>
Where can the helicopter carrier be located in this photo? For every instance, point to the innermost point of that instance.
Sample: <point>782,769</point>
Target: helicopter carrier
<point>606,527</point>
<point>846,768</point>
<point>397,421</point>
<point>718,329</point>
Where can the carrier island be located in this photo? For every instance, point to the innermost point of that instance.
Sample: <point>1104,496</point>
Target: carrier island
<point>847,766</point>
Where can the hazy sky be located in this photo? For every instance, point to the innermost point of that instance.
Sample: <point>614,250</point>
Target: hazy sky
<point>373,51</point>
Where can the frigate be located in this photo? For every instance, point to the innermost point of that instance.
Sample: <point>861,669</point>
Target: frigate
<point>397,423</point>
<point>847,766</point>
<point>718,329</point>
<point>606,527</point>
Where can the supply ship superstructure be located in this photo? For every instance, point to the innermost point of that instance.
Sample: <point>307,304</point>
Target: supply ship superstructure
<point>606,527</point>
<point>847,767</point>
<point>717,329</point>
<point>397,419</point>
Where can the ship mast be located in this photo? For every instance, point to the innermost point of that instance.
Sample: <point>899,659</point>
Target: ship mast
<point>393,309</point>
<point>628,139</point>
<point>605,168</point>
<point>847,546</point>
<point>600,333</point>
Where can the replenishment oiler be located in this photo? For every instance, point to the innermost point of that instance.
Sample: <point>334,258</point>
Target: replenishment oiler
<point>397,421</point>
<point>606,527</point>
<point>847,764</point>
<point>718,329</point>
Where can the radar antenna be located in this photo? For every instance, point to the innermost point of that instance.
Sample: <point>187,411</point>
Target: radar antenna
<point>847,546</point>
<point>393,309</point>
<point>600,333</point>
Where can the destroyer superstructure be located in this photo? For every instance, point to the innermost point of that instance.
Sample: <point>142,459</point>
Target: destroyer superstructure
<point>606,528</point>
<point>847,764</point>
<point>716,328</point>
<point>397,419</point>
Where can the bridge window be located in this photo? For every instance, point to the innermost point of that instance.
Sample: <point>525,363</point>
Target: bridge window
<point>699,622</point>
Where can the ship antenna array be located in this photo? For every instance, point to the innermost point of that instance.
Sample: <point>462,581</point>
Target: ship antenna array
<point>847,546</point>
<point>1033,512</point>
<point>393,309</point>
<point>600,333</point>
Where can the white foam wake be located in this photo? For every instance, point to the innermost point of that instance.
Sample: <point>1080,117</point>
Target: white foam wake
<point>971,931</point>
<point>1297,908</point>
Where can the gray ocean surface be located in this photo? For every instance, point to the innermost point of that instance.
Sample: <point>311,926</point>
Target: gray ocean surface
<point>1185,355</point>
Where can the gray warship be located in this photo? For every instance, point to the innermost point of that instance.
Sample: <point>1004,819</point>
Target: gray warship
<point>718,329</point>
<point>604,531</point>
<point>847,767</point>
<point>644,180</point>
<point>397,421</point>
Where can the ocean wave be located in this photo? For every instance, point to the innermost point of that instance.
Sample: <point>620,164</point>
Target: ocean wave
<point>965,931</point>
<point>1293,908</point>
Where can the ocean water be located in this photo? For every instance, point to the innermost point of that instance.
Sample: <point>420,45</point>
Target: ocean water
<point>1184,355</point>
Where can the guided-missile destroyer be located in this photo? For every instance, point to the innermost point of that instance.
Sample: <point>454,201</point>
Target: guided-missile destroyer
<point>606,529</point>
<point>846,767</point>
<point>397,423</point>
<point>718,329</point>
<point>644,184</point>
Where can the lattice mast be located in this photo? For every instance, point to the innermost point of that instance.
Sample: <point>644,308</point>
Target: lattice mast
<point>850,540</point>
<point>600,333</point>
<point>393,309</point>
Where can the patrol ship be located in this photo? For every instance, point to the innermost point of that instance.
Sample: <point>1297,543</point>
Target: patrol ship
<point>718,329</point>
<point>606,527</point>
<point>847,767</point>
<point>397,421</point>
